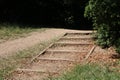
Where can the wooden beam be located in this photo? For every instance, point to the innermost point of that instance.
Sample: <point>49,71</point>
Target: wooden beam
<point>53,44</point>
<point>76,38</point>
<point>45,49</point>
<point>41,53</point>
<point>65,51</point>
<point>56,59</point>
<point>91,51</point>
<point>73,43</point>
<point>36,70</point>
<point>80,33</point>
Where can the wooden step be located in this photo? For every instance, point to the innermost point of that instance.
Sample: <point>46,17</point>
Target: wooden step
<point>36,70</point>
<point>56,59</point>
<point>73,43</point>
<point>80,33</point>
<point>76,38</point>
<point>65,51</point>
<point>47,65</point>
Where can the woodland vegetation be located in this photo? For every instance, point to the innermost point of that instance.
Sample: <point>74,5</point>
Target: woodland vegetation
<point>103,14</point>
<point>67,13</point>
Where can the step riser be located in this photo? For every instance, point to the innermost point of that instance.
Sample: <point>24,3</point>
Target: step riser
<point>82,38</point>
<point>79,33</point>
<point>65,51</point>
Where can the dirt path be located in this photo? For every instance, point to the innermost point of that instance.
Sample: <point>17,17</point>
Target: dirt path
<point>10,47</point>
<point>60,57</point>
<point>63,55</point>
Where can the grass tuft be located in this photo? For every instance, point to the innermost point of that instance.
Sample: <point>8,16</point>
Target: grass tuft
<point>90,72</point>
<point>10,32</point>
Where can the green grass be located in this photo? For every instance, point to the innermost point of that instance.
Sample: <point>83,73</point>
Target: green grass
<point>9,32</point>
<point>90,72</point>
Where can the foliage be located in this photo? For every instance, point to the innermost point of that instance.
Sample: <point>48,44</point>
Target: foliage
<point>44,12</point>
<point>105,15</point>
<point>117,45</point>
<point>89,72</point>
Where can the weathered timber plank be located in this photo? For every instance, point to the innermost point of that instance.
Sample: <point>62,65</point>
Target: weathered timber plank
<point>73,43</point>
<point>66,51</point>
<point>56,59</point>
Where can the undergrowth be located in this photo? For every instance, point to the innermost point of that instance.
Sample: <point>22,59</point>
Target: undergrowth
<point>89,72</point>
<point>13,31</point>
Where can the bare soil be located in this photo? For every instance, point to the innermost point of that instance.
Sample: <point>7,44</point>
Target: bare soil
<point>103,56</point>
<point>100,56</point>
<point>50,65</point>
<point>8,48</point>
<point>19,75</point>
<point>53,63</point>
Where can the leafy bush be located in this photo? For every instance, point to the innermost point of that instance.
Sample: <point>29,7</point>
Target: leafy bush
<point>103,36</point>
<point>105,15</point>
<point>117,45</point>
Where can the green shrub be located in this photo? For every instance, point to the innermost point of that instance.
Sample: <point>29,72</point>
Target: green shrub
<point>105,15</point>
<point>117,45</point>
<point>103,38</point>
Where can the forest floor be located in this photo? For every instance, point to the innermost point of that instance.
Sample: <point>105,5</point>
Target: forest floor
<point>70,50</point>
